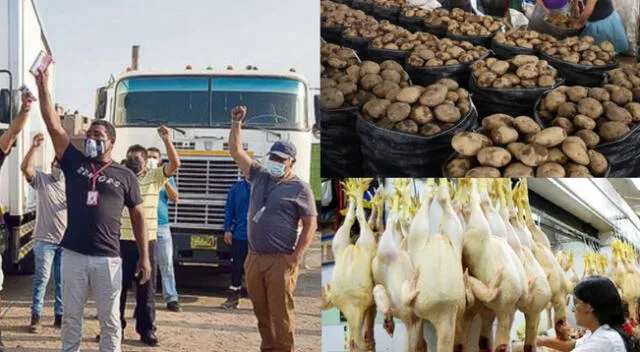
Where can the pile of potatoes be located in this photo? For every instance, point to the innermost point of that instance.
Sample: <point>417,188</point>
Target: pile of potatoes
<point>445,52</point>
<point>420,110</point>
<point>459,22</point>
<point>627,77</point>
<point>346,82</point>
<point>595,115</point>
<point>523,39</point>
<point>364,29</point>
<point>522,71</point>
<point>391,3</point>
<point>561,20</point>
<point>518,147</point>
<point>398,38</point>
<point>438,17</point>
<point>415,12</point>
<point>340,15</point>
<point>581,50</point>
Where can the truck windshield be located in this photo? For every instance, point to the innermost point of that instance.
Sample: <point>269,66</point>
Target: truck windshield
<point>278,103</point>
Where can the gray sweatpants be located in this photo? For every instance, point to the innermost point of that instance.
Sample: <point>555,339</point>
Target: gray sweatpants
<point>104,275</point>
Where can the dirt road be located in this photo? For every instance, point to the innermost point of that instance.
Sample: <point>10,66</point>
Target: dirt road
<point>201,327</point>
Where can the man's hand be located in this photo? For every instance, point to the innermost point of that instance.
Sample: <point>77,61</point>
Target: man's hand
<point>228,238</point>
<point>577,25</point>
<point>163,132</point>
<point>38,139</point>
<point>27,100</point>
<point>143,269</point>
<point>292,260</point>
<point>238,113</point>
<point>42,79</point>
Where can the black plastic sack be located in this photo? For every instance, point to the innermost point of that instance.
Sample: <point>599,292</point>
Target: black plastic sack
<point>445,4</point>
<point>359,44</point>
<point>345,2</point>
<point>381,55</point>
<point>510,101</point>
<point>438,31</point>
<point>332,34</point>
<point>339,143</point>
<point>506,52</point>
<point>576,74</point>
<point>365,6</point>
<point>390,14</point>
<point>425,76</point>
<point>391,153</point>
<point>484,40</point>
<point>412,24</point>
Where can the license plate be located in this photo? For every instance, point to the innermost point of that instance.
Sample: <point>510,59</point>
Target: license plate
<point>204,242</point>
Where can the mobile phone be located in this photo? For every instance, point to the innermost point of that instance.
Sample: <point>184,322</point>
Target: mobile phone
<point>25,90</point>
<point>41,63</point>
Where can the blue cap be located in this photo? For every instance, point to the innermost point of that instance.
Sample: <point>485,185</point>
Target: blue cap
<point>283,149</point>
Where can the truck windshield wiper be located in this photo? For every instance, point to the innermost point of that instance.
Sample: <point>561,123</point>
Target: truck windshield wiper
<point>156,122</point>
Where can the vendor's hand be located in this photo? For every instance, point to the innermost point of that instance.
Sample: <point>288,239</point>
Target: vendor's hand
<point>228,238</point>
<point>577,25</point>
<point>292,260</point>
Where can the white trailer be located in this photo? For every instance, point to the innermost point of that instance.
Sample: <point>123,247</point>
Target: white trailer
<point>22,37</point>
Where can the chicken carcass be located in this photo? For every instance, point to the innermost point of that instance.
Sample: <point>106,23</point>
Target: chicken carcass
<point>625,277</point>
<point>566,260</point>
<point>351,287</point>
<point>376,222</point>
<point>393,274</point>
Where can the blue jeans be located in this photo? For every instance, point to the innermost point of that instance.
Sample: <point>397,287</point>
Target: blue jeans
<point>47,256</point>
<point>164,260</point>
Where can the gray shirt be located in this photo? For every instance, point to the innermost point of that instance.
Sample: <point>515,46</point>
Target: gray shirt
<point>51,210</point>
<point>285,202</point>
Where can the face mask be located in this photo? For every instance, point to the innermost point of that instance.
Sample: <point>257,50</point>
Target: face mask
<point>152,163</point>
<point>56,173</point>
<point>94,148</point>
<point>134,165</point>
<point>274,168</point>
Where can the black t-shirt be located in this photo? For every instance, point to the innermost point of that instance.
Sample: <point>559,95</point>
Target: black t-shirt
<point>95,230</point>
<point>603,9</point>
<point>2,156</point>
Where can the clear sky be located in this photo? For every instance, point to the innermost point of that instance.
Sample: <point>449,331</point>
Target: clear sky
<point>92,39</point>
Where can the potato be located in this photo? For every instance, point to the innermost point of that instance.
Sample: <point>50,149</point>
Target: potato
<point>567,109</point>
<point>331,98</point>
<point>391,65</point>
<point>398,111</point>
<point>499,67</point>
<point>376,108</point>
<point>462,93</point>
<point>513,78</point>
<point>483,172</point>
<point>526,125</point>
<point>553,100</point>
<point>449,83</point>
<point>549,137</point>
<point>501,82</point>
<point>470,143</point>
<point>421,114</point>
<point>612,130</point>
<point>533,155</point>
<point>599,94</point>
<point>584,122</point>
<point>563,123</point>
<point>369,67</point>
<point>486,79</point>
<point>518,169</point>
<point>607,46</point>
<point>429,129</point>
<point>557,156</point>
<point>434,95</point>
<point>381,90</point>
<point>393,94</point>
<point>386,123</point>
<point>622,96</point>
<point>452,96</point>
<point>598,164</point>
<point>391,75</point>
<point>577,93</point>
<point>447,113</point>
<point>546,81</point>
<point>550,170</point>
<point>590,107</point>
<point>458,167</point>
<point>407,126</point>
<point>634,109</point>
<point>515,147</point>
<point>492,121</point>
<point>576,170</point>
<point>369,81</point>
<point>590,138</point>
<point>528,71</point>
<point>409,95</point>
<point>464,106</point>
<point>494,156</point>
<point>504,135</point>
<point>521,60</point>
<point>576,150</point>
<point>616,113</point>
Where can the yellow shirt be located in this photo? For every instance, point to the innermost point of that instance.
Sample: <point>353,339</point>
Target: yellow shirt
<point>150,186</point>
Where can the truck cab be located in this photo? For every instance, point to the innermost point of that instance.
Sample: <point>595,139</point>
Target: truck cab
<point>196,104</point>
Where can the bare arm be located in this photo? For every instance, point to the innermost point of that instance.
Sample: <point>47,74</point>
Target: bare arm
<point>142,240</point>
<point>9,137</point>
<point>174,160</point>
<point>172,193</point>
<point>58,135</point>
<point>27,163</point>
<point>588,11</point>
<point>239,155</point>
<point>309,226</point>
<point>562,346</point>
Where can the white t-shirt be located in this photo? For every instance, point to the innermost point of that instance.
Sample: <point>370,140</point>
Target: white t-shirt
<point>604,339</point>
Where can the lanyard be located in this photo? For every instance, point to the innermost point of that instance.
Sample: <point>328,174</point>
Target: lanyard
<point>97,173</point>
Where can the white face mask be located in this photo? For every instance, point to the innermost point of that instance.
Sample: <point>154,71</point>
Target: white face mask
<point>275,168</point>
<point>152,163</point>
<point>57,174</point>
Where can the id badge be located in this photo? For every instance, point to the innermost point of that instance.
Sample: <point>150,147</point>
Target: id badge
<point>258,215</point>
<point>92,198</point>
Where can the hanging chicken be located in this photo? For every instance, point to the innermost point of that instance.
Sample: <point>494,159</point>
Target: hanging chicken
<point>351,287</point>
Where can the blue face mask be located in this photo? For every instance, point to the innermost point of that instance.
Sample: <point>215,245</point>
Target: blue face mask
<point>94,148</point>
<point>275,168</point>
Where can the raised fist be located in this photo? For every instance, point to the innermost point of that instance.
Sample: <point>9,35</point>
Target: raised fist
<point>238,113</point>
<point>38,139</point>
<point>163,132</point>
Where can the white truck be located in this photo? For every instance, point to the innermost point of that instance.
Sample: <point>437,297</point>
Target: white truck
<point>22,37</point>
<point>197,104</point>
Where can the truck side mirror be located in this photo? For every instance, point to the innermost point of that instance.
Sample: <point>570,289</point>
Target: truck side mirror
<point>6,100</point>
<point>101,103</point>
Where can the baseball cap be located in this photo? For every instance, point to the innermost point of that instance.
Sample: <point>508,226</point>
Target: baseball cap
<point>283,149</point>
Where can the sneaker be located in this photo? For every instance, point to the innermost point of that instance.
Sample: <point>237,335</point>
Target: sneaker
<point>232,301</point>
<point>149,339</point>
<point>57,322</point>
<point>34,327</point>
<point>174,306</point>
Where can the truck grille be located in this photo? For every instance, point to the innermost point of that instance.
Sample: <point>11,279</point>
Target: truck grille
<point>203,183</point>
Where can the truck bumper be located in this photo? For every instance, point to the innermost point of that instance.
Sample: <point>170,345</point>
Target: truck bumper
<point>194,248</point>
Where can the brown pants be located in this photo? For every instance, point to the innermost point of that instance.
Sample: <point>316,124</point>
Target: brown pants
<point>270,284</point>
